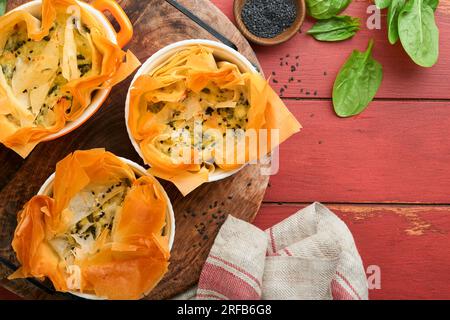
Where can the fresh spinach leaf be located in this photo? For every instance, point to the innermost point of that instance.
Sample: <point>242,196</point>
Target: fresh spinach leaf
<point>3,7</point>
<point>357,83</point>
<point>382,4</point>
<point>392,20</point>
<point>335,29</point>
<point>325,9</point>
<point>418,33</point>
<point>432,3</point>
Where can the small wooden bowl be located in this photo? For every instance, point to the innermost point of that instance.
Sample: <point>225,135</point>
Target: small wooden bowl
<point>282,37</point>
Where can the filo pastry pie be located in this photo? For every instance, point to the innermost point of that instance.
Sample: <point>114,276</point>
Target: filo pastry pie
<point>50,68</point>
<point>195,89</point>
<point>101,231</point>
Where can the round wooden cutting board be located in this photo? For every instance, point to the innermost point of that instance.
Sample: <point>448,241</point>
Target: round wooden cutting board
<point>198,216</point>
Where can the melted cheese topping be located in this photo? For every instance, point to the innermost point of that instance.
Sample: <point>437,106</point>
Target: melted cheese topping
<point>90,218</point>
<point>36,71</point>
<point>212,108</point>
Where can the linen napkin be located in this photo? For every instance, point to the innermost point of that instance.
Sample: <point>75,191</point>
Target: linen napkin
<point>311,255</point>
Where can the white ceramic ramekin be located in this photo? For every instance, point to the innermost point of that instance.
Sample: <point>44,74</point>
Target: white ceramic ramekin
<point>222,51</point>
<point>46,189</point>
<point>34,7</point>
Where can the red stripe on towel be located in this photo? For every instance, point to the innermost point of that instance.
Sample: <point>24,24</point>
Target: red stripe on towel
<point>348,283</point>
<point>272,240</point>
<point>339,292</point>
<point>231,265</point>
<point>215,278</point>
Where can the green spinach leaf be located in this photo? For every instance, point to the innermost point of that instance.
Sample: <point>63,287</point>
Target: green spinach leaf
<point>432,3</point>
<point>325,9</point>
<point>392,19</point>
<point>382,4</point>
<point>2,7</point>
<point>335,29</point>
<point>357,83</point>
<point>418,33</point>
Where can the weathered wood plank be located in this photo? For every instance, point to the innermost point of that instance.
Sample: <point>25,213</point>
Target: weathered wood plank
<point>408,243</point>
<point>318,62</point>
<point>392,152</point>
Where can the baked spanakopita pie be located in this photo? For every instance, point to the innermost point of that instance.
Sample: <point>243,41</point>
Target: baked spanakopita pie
<point>100,230</point>
<point>50,68</point>
<point>195,101</point>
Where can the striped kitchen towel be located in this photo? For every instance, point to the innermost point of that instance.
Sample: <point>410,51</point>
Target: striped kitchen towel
<point>311,255</point>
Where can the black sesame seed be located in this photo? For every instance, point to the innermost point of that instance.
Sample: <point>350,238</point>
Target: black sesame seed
<point>209,111</point>
<point>269,18</point>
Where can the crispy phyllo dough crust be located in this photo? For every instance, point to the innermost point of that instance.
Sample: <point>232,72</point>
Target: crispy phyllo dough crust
<point>101,231</point>
<point>50,68</point>
<point>192,88</point>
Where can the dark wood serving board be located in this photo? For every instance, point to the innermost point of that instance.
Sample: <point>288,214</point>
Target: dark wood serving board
<point>198,216</point>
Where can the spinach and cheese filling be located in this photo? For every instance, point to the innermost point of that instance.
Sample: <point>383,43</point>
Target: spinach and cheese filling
<point>92,214</point>
<point>211,108</point>
<point>35,72</point>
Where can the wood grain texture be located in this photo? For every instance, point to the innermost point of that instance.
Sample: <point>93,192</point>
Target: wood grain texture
<point>198,216</point>
<point>409,244</point>
<point>395,151</point>
<point>319,62</point>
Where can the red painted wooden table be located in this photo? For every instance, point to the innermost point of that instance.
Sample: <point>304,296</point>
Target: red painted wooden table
<point>386,173</point>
